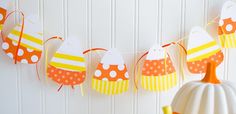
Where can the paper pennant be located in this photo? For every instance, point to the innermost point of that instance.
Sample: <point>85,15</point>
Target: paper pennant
<point>158,72</point>
<point>201,49</point>
<point>111,76</point>
<point>67,67</point>
<point>227,25</point>
<point>30,46</point>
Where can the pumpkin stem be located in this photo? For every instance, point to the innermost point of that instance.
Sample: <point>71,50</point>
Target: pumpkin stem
<point>210,76</point>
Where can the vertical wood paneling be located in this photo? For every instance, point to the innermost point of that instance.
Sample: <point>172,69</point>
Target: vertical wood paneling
<point>171,25</point>
<point>9,85</point>
<point>231,66</point>
<point>147,36</point>
<point>66,37</point>
<point>214,9</point>
<point>194,16</point>
<point>89,45</point>
<point>124,42</point>
<point>30,85</point>
<point>131,26</point>
<point>53,25</point>
<point>101,37</point>
<point>136,42</point>
<point>230,72</point>
<point>78,104</point>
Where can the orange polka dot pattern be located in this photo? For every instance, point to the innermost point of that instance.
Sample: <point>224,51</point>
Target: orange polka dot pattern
<point>157,67</point>
<point>24,55</point>
<point>3,15</point>
<point>65,77</point>
<point>227,26</point>
<point>200,66</point>
<point>111,72</point>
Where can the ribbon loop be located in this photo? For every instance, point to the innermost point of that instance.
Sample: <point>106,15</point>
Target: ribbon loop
<point>94,49</point>
<point>53,37</point>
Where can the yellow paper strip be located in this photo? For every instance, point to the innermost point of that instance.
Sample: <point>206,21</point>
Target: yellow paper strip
<point>67,66</point>
<point>204,56</point>
<point>28,37</point>
<point>69,57</point>
<point>199,48</point>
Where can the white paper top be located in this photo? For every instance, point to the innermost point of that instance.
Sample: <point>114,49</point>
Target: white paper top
<point>228,10</point>
<point>33,24</point>
<point>112,57</point>
<point>156,52</point>
<point>71,46</point>
<point>197,37</point>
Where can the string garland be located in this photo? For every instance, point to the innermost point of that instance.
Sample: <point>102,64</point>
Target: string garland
<point>179,42</point>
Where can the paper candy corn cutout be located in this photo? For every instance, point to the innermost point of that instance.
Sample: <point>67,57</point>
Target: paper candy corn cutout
<point>67,67</point>
<point>201,49</point>
<point>111,76</point>
<point>28,49</point>
<point>158,72</point>
<point>227,25</point>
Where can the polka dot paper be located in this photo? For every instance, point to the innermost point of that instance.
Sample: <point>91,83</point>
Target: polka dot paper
<point>201,49</point>
<point>227,25</point>
<point>111,76</point>
<point>158,72</point>
<point>3,13</point>
<point>67,67</point>
<point>30,46</point>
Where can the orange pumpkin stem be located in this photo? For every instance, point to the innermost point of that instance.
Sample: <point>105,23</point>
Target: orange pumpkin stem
<point>210,76</point>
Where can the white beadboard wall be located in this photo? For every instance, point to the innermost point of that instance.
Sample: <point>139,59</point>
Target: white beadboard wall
<point>132,26</point>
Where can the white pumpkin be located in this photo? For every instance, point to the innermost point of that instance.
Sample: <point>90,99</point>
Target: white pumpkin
<point>208,96</point>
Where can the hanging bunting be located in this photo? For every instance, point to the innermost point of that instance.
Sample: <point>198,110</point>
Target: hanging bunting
<point>158,72</point>
<point>24,43</point>
<point>227,25</point>
<point>201,49</point>
<point>111,76</point>
<point>67,66</point>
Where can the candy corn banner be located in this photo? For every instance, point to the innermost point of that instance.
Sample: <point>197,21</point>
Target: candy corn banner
<point>158,72</point>
<point>111,76</point>
<point>227,25</point>
<point>25,46</point>
<point>23,43</point>
<point>201,49</point>
<point>67,67</point>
